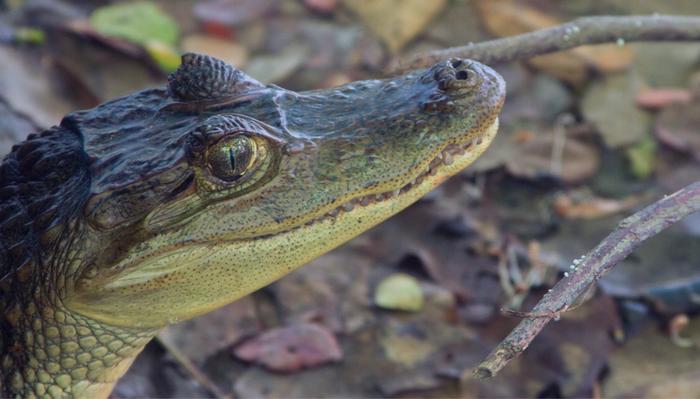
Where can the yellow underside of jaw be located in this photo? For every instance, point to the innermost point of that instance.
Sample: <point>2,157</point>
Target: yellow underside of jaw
<point>202,277</point>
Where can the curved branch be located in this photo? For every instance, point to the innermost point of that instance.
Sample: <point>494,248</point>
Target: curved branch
<point>631,232</point>
<point>581,31</point>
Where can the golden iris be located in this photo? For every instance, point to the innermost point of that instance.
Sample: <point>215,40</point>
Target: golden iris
<point>231,158</point>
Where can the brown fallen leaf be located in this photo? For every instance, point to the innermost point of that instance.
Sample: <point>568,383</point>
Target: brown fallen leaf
<point>83,28</point>
<point>507,18</point>
<point>650,365</point>
<point>99,67</point>
<point>201,337</point>
<point>232,12</point>
<point>332,291</point>
<point>225,50</point>
<point>14,127</point>
<point>655,99</point>
<point>608,104</point>
<point>321,6</point>
<point>27,90</point>
<point>675,326</point>
<point>291,348</point>
<point>396,22</point>
<point>567,158</point>
<point>677,127</point>
<point>566,207</point>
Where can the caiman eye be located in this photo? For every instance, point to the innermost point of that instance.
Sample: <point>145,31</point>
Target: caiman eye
<point>231,158</point>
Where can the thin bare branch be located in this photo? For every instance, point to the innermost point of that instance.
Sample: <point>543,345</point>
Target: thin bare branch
<point>581,31</point>
<point>613,249</point>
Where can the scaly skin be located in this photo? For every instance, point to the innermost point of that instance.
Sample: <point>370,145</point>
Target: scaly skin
<point>166,204</point>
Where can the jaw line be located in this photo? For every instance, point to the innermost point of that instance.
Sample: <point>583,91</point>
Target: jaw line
<point>423,182</point>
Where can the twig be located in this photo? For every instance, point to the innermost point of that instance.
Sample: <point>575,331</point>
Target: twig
<point>581,31</point>
<point>194,371</point>
<point>613,249</point>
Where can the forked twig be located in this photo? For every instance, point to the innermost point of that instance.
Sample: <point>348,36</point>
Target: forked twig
<point>614,248</point>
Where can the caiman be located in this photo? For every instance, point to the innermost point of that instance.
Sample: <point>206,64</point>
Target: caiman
<point>170,202</point>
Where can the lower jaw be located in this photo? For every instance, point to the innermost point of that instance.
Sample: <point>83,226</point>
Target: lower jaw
<point>440,170</point>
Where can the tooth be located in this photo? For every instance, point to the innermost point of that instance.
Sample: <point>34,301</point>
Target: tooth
<point>364,201</point>
<point>460,151</point>
<point>448,159</point>
<point>348,206</point>
<point>334,212</point>
<point>419,179</point>
<point>433,172</point>
<point>396,192</point>
<point>478,141</point>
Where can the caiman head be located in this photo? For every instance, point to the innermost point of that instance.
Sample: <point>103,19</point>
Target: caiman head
<point>168,203</point>
<point>193,196</point>
<point>219,185</point>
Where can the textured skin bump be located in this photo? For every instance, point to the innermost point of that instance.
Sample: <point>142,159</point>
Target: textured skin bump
<point>118,209</point>
<point>200,77</point>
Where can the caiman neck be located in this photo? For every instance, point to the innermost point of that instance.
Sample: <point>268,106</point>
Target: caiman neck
<point>47,350</point>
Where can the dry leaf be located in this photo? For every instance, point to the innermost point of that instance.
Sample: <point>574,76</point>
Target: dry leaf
<point>537,157</point>
<point>654,99</point>
<point>201,337</point>
<point>291,348</point>
<point>591,208</point>
<point>225,50</point>
<point>609,104</point>
<point>396,22</point>
<point>677,127</point>
<point>508,18</point>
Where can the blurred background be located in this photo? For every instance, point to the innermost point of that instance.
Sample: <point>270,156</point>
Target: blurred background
<point>587,137</point>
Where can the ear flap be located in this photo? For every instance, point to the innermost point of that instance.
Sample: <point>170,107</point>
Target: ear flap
<point>201,77</point>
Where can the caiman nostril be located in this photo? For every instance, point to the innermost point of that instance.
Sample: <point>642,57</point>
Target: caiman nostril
<point>456,63</point>
<point>462,75</point>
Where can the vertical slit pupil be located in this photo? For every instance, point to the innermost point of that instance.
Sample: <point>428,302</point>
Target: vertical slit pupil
<point>232,158</point>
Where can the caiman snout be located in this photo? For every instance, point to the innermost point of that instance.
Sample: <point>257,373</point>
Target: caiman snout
<point>464,86</point>
<point>458,76</point>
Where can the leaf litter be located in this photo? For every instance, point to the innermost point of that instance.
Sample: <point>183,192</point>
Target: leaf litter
<point>497,235</point>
